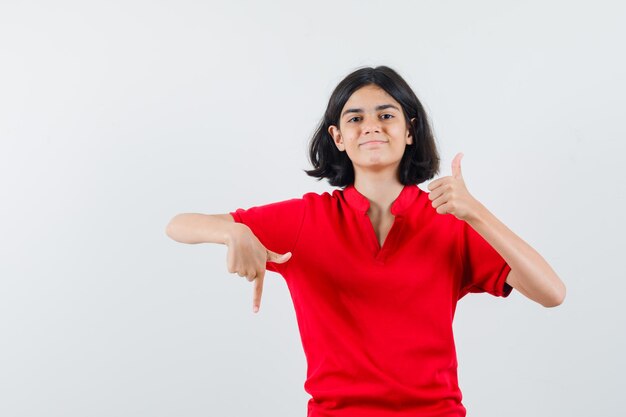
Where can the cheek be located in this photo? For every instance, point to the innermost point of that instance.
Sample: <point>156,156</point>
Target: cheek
<point>349,130</point>
<point>350,135</point>
<point>399,130</point>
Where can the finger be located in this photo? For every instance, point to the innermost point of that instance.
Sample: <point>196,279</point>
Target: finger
<point>442,204</point>
<point>257,292</point>
<point>439,201</point>
<point>433,195</point>
<point>438,183</point>
<point>456,165</point>
<point>434,184</point>
<point>278,258</point>
<point>443,209</point>
<point>441,189</point>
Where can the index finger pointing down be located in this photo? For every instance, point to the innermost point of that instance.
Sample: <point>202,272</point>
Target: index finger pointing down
<point>257,292</point>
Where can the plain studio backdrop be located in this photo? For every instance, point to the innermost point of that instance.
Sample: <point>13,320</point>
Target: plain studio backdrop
<point>116,116</point>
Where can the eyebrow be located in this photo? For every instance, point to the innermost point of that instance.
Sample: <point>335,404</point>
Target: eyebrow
<point>381,107</point>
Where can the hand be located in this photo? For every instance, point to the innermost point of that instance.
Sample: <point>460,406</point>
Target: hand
<point>450,196</point>
<point>247,257</point>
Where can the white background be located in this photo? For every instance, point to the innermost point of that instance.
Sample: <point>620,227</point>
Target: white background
<point>116,116</point>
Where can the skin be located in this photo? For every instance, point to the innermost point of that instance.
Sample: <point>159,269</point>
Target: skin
<point>376,177</point>
<point>376,174</point>
<point>530,274</point>
<point>375,164</point>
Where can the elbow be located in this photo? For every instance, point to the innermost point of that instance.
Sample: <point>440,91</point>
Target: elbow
<point>553,303</point>
<point>170,228</point>
<point>557,299</point>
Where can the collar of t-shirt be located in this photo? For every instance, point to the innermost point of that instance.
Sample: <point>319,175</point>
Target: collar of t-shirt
<point>360,203</point>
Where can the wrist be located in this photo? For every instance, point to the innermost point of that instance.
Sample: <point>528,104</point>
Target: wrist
<point>479,213</point>
<point>233,232</point>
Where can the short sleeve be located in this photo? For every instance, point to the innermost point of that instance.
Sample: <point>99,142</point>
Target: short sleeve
<point>276,225</point>
<point>484,269</point>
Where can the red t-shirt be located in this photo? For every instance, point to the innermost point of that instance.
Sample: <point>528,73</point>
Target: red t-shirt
<point>376,323</point>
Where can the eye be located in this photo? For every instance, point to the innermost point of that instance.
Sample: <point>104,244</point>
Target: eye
<point>387,114</point>
<point>355,117</point>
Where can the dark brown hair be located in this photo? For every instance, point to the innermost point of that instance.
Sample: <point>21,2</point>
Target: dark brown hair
<point>420,161</point>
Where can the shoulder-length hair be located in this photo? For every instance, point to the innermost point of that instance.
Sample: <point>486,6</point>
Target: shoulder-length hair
<point>420,161</point>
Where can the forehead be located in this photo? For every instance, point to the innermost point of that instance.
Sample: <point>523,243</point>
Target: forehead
<point>370,96</point>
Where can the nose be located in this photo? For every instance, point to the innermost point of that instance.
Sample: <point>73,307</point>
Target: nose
<point>371,125</point>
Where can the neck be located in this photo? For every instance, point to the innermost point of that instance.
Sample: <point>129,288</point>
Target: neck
<point>380,188</point>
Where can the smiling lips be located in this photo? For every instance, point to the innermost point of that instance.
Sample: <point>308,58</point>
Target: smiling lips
<point>374,142</point>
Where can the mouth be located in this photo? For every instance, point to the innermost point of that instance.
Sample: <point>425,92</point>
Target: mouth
<point>372,142</point>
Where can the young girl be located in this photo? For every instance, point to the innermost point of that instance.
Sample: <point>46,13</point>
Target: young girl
<point>376,268</point>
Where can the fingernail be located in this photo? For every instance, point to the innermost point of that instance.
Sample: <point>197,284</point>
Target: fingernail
<point>255,309</point>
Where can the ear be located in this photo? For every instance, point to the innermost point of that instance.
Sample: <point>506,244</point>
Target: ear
<point>409,137</point>
<point>336,135</point>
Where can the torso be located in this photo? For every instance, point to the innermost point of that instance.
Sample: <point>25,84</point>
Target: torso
<point>393,307</point>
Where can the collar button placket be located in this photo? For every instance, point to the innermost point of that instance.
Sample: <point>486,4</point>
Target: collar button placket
<point>361,204</point>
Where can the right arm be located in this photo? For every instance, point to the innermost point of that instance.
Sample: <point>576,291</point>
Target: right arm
<point>195,228</point>
<point>246,254</point>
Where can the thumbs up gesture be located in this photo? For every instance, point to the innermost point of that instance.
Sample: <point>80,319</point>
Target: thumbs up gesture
<point>247,257</point>
<point>450,196</point>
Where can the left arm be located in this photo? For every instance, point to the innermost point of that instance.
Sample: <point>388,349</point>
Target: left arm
<point>530,273</point>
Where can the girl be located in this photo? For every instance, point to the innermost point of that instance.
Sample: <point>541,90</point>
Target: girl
<point>376,268</point>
